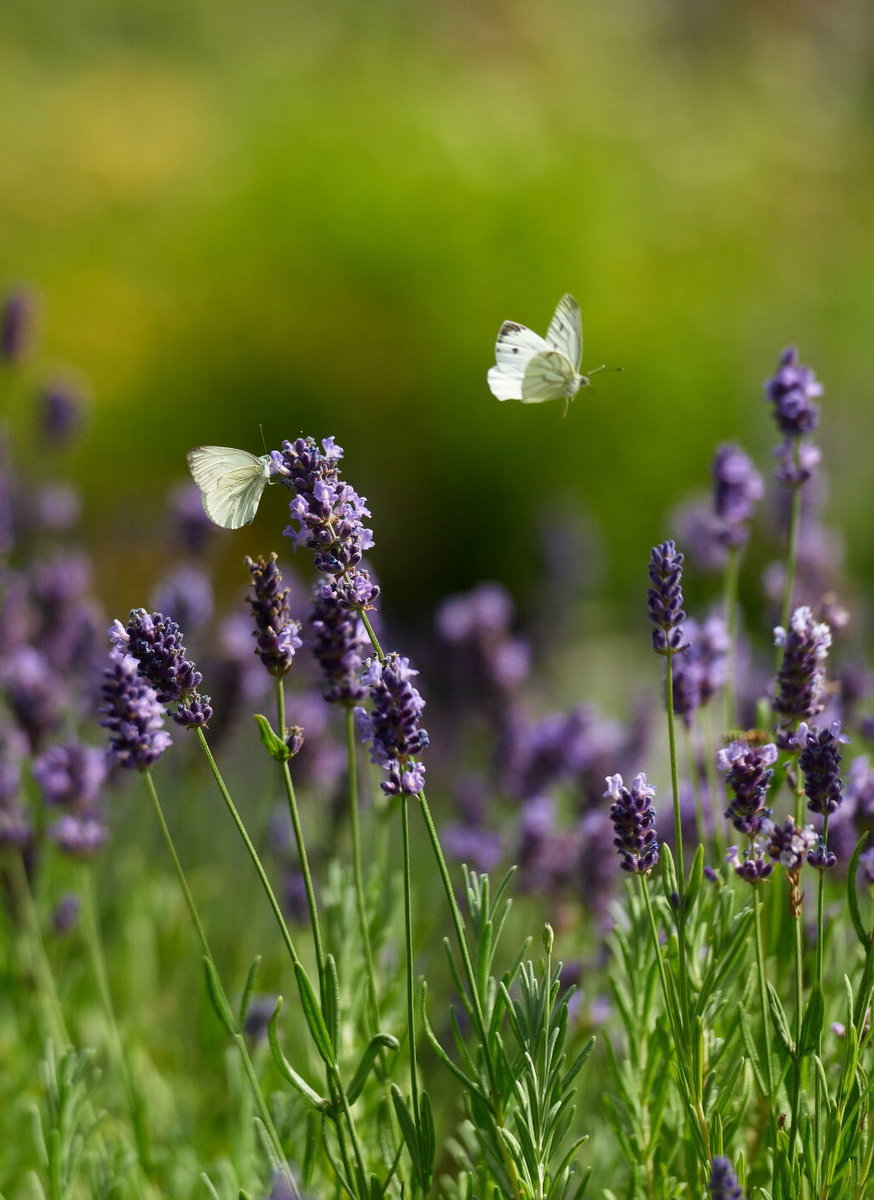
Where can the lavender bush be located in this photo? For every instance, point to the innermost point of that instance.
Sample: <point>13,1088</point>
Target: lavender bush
<point>537,982</point>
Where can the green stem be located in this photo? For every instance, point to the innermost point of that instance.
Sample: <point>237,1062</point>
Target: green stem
<point>23,898</point>
<point>799,1005</point>
<point>94,943</point>
<point>408,935</point>
<point>730,603</point>
<point>357,871</point>
<point>791,551</point>
<point>763,991</point>
<point>247,842</point>
<point>239,1041</point>
<point>678,839</point>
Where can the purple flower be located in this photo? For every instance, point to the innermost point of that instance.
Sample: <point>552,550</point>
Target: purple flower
<point>156,643</point>
<point>17,322</point>
<point>797,462</point>
<point>702,669</point>
<point>393,726</point>
<point>185,596</point>
<point>723,1183</point>
<point>338,644</point>
<point>132,713</point>
<point>792,390</point>
<point>489,660</point>
<point>702,533</point>
<point>80,836</point>
<point>15,826</point>
<point>34,693</point>
<point>737,488</point>
<point>820,761</point>
<point>328,514</point>
<point>753,865</point>
<point>68,622</point>
<point>821,858</point>
<point>56,507</point>
<point>633,818</point>
<point>665,599</point>
<point>194,712</point>
<point>748,774</point>
<point>801,677</point>
<point>62,412</point>
<point>859,796</point>
<point>66,913</point>
<point>276,633</point>
<point>13,751</point>
<point>789,843</point>
<point>70,775</point>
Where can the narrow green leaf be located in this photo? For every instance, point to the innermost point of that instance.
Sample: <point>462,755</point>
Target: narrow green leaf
<point>378,1042</point>
<point>284,1066</point>
<point>217,996</point>
<point>331,1002</point>
<point>313,1017</point>
<point>696,875</point>
<point>408,1128</point>
<point>427,1140</point>
<point>778,1019</point>
<point>862,933</point>
<point>273,743</point>
<point>811,1023</point>
<point>249,988</point>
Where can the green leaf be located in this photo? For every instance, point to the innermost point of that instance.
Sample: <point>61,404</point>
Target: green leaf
<point>284,1066</point>
<point>696,875</point>
<point>313,1017</point>
<point>217,996</point>
<point>273,743</point>
<point>408,1128</point>
<point>778,1020</point>
<point>331,1001</point>
<point>862,933</point>
<point>811,1024</point>
<point>378,1042</point>
<point>427,1140</point>
<point>249,987</point>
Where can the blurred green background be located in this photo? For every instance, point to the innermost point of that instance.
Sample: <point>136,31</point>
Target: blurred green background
<point>315,216</point>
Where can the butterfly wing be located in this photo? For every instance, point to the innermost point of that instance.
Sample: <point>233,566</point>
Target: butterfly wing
<point>514,349</point>
<point>565,333</point>
<point>549,376</point>
<point>230,481</point>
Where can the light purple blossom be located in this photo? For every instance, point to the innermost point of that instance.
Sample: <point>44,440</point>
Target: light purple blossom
<point>132,713</point>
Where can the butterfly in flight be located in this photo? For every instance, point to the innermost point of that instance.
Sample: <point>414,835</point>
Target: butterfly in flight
<point>230,481</point>
<point>535,369</point>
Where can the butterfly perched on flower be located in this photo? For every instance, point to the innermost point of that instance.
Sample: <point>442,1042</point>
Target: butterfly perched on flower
<point>230,481</point>
<point>535,369</point>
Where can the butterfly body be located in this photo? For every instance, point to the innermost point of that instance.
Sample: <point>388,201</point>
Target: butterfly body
<point>533,369</point>
<point>231,483</point>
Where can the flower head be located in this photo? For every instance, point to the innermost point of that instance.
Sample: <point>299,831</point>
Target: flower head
<point>62,412</point>
<point>70,775</point>
<point>789,843</point>
<point>17,320</point>
<point>820,761</point>
<point>723,1183</point>
<point>633,818</point>
<point>749,773</point>
<point>132,713</point>
<point>737,488</point>
<point>155,642</point>
<point>792,390</point>
<point>801,677</point>
<point>393,726</point>
<point>753,865</point>
<point>276,633</point>
<point>665,599</point>
<point>338,642</point>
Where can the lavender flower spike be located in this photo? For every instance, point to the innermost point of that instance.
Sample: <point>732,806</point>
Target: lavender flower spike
<point>17,320</point>
<point>789,843</point>
<point>801,678</point>
<point>132,713</point>
<point>156,643</point>
<point>723,1183</point>
<point>338,641</point>
<point>633,820</point>
<point>820,761</point>
<point>792,390</point>
<point>665,599</point>
<point>737,488</point>
<point>393,726</point>
<point>748,774</point>
<point>276,633</point>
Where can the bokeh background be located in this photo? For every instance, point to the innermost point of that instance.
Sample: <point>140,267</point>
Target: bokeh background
<point>314,217</point>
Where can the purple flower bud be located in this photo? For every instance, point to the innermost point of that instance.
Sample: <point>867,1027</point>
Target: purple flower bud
<point>276,633</point>
<point>820,761</point>
<point>792,391</point>
<point>821,858</point>
<point>748,774</point>
<point>797,462</point>
<point>801,678</point>
<point>17,325</point>
<point>62,412</point>
<point>789,843</point>
<point>393,727</point>
<point>737,488</point>
<point>633,818</point>
<point>753,865</point>
<point>665,599</point>
<point>156,643</point>
<point>723,1183</point>
<point>79,836</point>
<point>328,514</point>
<point>132,713</point>
<point>338,644</point>
<point>70,775</point>
<point>194,712</point>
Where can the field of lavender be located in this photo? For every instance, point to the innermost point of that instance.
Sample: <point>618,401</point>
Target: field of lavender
<point>299,904</point>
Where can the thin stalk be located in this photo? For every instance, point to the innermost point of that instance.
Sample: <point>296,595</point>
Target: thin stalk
<point>678,838</point>
<point>791,551</point>
<point>408,935</point>
<point>94,944</point>
<point>357,871</point>
<point>692,759</point>
<point>239,1041</point>
<point>247,842</point>
<point>315,925</point>
<point>24,900</point>
<point>820,909</point>
<point>763,991</point>
<point>732,624</point>
<point>799,1003</point>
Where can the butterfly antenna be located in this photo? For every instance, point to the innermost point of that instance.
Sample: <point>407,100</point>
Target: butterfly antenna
<point>263,440</point>
<point>602,367</point>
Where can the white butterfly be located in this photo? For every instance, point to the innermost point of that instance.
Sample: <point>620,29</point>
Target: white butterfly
<point>230,481</point>
<point>535,369</point>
